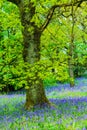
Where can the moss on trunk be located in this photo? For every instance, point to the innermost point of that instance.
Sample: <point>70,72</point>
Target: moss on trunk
<point>35,95</point>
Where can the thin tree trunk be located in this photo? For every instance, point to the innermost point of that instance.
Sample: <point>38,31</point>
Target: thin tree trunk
<point>76,64</point>
<point>71,51</point>
<point>71,63</point>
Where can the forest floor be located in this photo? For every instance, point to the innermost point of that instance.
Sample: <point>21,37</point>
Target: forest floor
<point>70,112</point>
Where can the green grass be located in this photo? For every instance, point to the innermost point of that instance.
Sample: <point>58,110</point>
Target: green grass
<point>66,94</point>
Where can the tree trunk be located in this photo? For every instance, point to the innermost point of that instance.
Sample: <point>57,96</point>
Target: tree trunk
<point>71,50</point>
<point>35,95</point>
<point>76,64</point>
<point>71,72</point>
<point>71,62</point>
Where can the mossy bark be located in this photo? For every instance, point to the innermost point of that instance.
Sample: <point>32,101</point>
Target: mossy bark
<point>35,95</point>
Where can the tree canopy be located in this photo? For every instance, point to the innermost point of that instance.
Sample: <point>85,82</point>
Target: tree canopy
<point>52,16</point>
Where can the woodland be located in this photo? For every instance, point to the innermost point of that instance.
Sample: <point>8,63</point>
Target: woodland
<point>43,64</point>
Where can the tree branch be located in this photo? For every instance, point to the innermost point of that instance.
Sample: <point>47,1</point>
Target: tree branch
<point>52,9</point>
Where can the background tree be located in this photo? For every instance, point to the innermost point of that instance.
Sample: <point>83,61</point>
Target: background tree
<point>10,48</point>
